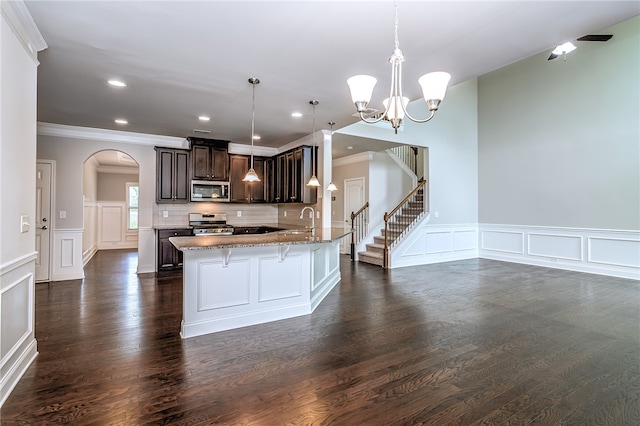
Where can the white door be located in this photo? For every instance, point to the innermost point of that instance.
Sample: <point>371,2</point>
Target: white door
<point>353,200</point>
<point>43,220</point>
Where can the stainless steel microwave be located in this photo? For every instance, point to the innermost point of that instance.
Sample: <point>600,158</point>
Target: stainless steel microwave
<point>205,190</point>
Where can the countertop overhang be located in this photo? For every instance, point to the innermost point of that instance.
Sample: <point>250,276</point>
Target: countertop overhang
<point>291,236</point>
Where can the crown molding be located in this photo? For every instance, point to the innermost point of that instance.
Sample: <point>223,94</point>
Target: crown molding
<point>264,151</point>
<point>120,170</point>
<point>355,158</point>
<point>75,132</point>
<point>19,19</point>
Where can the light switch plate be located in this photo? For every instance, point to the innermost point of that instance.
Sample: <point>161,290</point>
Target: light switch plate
<point>165,214</point>
<point>24,223</point>
<point>63,214</point>
<point>239,213</point>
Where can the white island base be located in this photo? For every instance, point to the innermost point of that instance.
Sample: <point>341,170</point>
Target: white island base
<point>231,287</point>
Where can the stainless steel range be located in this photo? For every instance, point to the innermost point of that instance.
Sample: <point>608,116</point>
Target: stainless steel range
<point>204,224</point>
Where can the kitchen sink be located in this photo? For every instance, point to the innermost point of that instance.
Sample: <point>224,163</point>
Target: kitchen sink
<point>296,231</point>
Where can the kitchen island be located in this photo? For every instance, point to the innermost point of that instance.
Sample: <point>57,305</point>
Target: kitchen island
<point>240,280</point>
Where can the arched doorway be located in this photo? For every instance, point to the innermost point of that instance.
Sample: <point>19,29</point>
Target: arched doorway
<point>110,192</point>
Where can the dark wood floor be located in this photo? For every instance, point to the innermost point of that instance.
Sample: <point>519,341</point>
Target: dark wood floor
<point>469,342</point>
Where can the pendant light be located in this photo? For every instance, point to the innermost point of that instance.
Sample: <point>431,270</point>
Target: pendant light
<point>313,181</point>
<point>251,175</point>
<point>331,187</point>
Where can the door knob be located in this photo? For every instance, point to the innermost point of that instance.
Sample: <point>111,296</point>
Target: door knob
<point>44,219</point>
<point>44,227</point>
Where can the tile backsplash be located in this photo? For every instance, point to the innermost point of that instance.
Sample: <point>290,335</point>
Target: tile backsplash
<point>237,214</point>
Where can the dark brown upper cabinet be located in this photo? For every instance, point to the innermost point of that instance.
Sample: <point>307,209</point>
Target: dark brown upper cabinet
<point>292,171</point>
<point>209,159</point>
<point>172,175</point>
<point>247,192</point>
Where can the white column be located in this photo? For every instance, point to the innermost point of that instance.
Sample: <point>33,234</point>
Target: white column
<point>325,177</point>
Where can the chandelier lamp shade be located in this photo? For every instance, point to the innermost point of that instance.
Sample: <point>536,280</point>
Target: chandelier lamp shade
<point>251,175</point>
<point>434,87</point>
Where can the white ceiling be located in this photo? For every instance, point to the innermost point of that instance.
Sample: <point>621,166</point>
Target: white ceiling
<point>183,59</point>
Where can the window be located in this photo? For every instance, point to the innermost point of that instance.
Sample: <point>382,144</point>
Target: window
<point>132,205</point>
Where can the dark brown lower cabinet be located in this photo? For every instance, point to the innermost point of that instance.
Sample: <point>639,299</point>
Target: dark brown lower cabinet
<point>170,258</point>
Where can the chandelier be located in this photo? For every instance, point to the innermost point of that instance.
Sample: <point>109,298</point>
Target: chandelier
<point>434,87</point>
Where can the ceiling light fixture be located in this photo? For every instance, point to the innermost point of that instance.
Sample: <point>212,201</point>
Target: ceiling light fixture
<point>121,121</point>
<point>313,180</point>
<point>563,49</point>
<point>251,175</point>
<point>117,83</point>
<point>434,87</point>
<point>296,114</point>
<point>204,118</point>
<point>331,187</point>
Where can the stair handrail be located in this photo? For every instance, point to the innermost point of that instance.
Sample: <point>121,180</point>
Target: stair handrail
<point>358,227</point>
<point>408,155</point>
<point>405,226</point>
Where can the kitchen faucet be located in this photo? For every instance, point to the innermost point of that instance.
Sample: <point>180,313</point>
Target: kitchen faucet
<point>313,216</point>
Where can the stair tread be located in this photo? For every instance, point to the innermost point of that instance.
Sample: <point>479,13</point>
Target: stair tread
<point>375,245</point>
<point>369,254</point>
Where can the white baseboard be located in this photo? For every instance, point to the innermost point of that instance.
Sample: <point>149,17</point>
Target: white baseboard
<point>88,255</point>
<point>597,251</point>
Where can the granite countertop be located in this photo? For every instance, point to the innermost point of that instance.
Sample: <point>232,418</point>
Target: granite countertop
<point>291,236</point>
<point>161,227</point>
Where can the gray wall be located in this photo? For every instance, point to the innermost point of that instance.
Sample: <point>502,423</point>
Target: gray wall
<point>70,155</point>
<point>113,186</point>
<point>340,174</point>
<point>559,141</point>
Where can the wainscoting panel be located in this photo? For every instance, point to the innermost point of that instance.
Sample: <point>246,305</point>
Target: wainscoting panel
<point>18,347</point>
<point>439,242</point>
<point>504,241</point>
<point>112,226</point>
<point>615,251</point>
<point>436,243</point>
<point>567,247</point>
<point>605,252</point>
<point>67,255</point>
<point>111,223</point>
<point>268,267</point>
<point>465,240</point>
<point>223,284</point>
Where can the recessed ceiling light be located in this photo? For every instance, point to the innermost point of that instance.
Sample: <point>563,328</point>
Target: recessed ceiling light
<point>256,137</point>
<point>117,83</point>
<point>349,147</point>
<point>121,121</point>
<point>204,118</point>
<point>296,114</point>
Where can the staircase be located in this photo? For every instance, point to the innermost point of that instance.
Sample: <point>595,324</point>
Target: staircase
<point>374,253</point>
